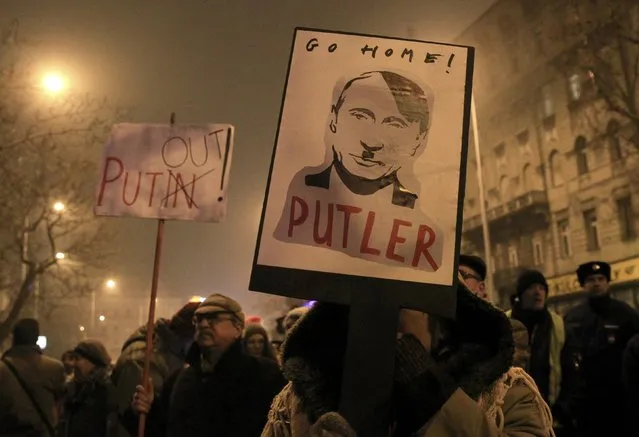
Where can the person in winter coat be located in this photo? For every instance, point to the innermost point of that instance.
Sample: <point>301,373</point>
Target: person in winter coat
<point>44,379</point>
<point>452,385</point>
<point>171,340</point>
<point>257,343</point>
<point>601,328</point>
<point>224,391</point>
<point>473,270</point>
<point>90,407</point>
<point>630,375</point>
<point>546,332</point>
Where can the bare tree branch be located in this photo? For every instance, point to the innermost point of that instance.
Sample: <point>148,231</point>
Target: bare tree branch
<point>48,151</point>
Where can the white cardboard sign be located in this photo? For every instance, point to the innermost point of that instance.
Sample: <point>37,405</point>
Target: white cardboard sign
<point>162,171</point>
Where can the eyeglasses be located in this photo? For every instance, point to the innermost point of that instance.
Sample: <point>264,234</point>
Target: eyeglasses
<point>212,318</point>
<point>467,275</point>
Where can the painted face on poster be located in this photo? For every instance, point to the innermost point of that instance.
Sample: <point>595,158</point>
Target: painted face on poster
<point>365,179</point>
<point>178,172</point>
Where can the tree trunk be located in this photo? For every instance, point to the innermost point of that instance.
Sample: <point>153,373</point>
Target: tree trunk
<point>18,304</point>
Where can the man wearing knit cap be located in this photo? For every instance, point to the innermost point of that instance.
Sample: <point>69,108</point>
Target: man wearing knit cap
<point>90,407</point>
<point>473,271</point>
<point>602,327</point>
<point>44,376</point>
<point>223,391</point>
<point>546,331</point>
<point>171,341</point>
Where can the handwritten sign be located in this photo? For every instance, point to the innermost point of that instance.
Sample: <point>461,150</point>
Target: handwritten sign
<point>178,172</point>
<point>368,172</point>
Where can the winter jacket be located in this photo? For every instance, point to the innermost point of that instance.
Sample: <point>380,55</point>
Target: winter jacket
<point>168,355</point>
<point>557,341</point>
<point>90,408</point>
<point>489,397</point>
<point>630,375</point>
<point>44,376</point>
<point>232,400</point>
<point>600,330</point>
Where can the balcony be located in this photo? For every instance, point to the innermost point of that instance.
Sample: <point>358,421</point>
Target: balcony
<point>532,201</point>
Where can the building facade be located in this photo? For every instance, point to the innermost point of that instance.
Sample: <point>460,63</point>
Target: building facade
<point>561,177</point>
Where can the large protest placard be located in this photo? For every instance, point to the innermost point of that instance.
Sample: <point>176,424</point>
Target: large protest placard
<point>368,172</point>
<point>166,171</point>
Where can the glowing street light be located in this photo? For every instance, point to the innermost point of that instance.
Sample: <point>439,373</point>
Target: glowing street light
<point>101,318</point>
<point>110,283</point>
<point>53,83</point>
<point>81,328</point>
<point>58,207</point>
<point>60,256</point>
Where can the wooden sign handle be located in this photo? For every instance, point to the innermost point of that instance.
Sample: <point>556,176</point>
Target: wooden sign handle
<point>369,364</point>
<point>150,324</point>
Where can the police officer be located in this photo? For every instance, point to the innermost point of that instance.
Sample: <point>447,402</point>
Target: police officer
<point>599,329</point>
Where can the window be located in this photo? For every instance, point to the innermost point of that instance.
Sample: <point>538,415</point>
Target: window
<point>523,139</point>
<point>504,188</point>
<point>614,144</point>
<point>574,83</point>
<point>581,154</point>
<point>556,171</point>
<point>626,218</point>
<point>512,257</point>
<point>564,238</point>
<point>548,108</point>
<point>592,229</point>
<point>500,154</point>
<point>538,252</point>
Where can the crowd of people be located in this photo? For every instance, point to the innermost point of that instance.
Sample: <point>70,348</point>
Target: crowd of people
<point>213,372</point>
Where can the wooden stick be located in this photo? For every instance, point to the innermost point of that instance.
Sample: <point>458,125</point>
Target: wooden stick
<point>150,324</point>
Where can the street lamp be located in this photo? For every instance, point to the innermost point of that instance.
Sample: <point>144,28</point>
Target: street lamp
<point>58,207</point>
<point>102,318</point>
<point>110,283</point>
<point>53,83</point>
<point>60,256</point>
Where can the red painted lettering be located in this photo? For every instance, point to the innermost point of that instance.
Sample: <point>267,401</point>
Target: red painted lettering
<point>302,217</point>
<point>137,189</point>
<point>347,210</point>
<point>368,230</point>
<point>425,239</point>
<point>168,189</point>
<point>105,177</point>
<point>328,233</point>
<point>180,187</point>
<point>153,176</point>
<point>394,239</point>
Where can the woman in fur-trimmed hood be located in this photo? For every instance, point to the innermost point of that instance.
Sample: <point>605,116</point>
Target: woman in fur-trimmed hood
<point>451,378</point>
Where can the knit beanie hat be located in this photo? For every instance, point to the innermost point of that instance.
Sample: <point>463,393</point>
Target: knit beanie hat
<point>255,328</point>
<point>93,351</point>
<point>529,278</point>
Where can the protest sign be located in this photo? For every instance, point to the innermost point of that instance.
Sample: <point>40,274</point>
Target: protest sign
<point>365,193</point>
<point>166,171</point>
<point>367,178</point>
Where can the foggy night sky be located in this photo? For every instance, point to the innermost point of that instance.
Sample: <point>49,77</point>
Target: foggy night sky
<point>209,61</point>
